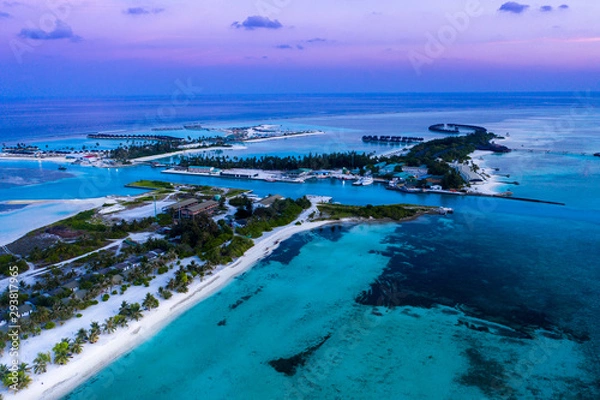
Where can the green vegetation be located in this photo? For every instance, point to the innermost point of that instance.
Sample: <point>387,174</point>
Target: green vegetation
<point>8,260</point>
<point>125,153</point>
<point>395,212</point>
<point>146,184</point>
<point>15,379</point>
<point>87,233</point>
<point>313,161</point>
<point>448,149</point>
<point>40,363</point>
<point>281,212</point>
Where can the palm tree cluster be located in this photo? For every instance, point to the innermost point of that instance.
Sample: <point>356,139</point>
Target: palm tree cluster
<point>131,311</point>
<point>15,380</point>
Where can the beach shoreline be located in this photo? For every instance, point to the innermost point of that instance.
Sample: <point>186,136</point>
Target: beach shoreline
<point>184,152</point>
<point>59,381</point>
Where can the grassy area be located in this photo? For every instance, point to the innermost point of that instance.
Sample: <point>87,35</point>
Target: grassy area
<point>147,184</point>
<point>395,212</point>
<point>236,192</point>
<point>81,234</point>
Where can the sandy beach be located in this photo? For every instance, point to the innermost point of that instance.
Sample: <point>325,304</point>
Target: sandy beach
<point>60,380</point>
<point>57,159</point>
<point>184,152</point>
<point>284,137</point>
<point>491,184</point>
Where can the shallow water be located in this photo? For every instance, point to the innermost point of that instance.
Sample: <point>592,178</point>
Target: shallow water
<point>308,289</point>
<point>384,296</point>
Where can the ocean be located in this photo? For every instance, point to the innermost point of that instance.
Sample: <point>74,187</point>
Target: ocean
<point>398,310</point>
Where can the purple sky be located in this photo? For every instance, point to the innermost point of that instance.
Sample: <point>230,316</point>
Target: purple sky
<point>109,47</point>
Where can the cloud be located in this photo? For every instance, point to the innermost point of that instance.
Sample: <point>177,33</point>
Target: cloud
<point>546,8</point>
<point>61,31</point>
<point>316,40</point>
<point>12,3</point>
<point>5,15</point>
<point>142,11</point>
<point>564,7</point>
<point>513,7</point>
<point>256,22</point>
<point>289,47</point>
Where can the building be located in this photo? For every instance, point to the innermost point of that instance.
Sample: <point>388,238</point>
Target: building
<point>298,173</point>
<point>205,207</point>
<point>268,201</point>
<point>25,310</point>
<point>417,172</point>
<point>180,205</point>
<point>195,169</point>
<point>468,174</point>
<point>72,286</point>
<point>240,173</point>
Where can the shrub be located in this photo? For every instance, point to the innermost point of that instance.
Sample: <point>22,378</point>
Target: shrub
<point>49,325</point>
<point>105,297</point>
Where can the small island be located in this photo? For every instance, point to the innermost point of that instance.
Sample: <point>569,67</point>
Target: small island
<point>139,262</point>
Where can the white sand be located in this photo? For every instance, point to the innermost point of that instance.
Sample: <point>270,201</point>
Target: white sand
<point>182,152</point>
<point>60,380</point>
<point>491,183</point>
<point>284,137</point>
<point>12,157</point>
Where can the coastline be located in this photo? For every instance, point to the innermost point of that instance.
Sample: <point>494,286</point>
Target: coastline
<point>187,151</point>
<point>57,159</point>
<point>268,139</point>
<point>61,380</point>
<point>22,216</point>
<point>491,184</point>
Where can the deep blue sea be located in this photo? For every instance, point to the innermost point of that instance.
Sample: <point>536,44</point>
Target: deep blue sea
<point>402,311</point>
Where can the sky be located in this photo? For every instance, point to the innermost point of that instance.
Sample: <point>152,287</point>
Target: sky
<point>146,47</point>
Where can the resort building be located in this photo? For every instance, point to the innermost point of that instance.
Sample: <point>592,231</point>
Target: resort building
<point>240,173</point>
<point>417,172</point>
<point>194,169</point>
<point>468,174</point>
<point>180,205</point>
<point>206,207</point>
<point>268,201</point>
<point>25,310</point>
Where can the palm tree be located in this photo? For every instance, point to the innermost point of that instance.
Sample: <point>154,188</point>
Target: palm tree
<point>109,325</point>
<point>94,332</point>
<point>23,379</point>
<point>135,311</point>
<point>82,335</point>
<point>124,309</point>
<point>76,347</point>
<point>61,352</point>
<point>150,302</point>
<point>40,363</point>
<point>120,320</point>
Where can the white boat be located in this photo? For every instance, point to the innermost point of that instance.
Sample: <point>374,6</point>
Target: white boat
<point>365,181</point>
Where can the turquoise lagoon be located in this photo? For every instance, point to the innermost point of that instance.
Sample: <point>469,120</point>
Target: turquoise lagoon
<point>333,285</point>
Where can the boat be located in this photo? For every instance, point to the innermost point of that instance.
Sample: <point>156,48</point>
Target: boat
<point>365,181</point>
<point>596,154</point>
<point>62,168</point>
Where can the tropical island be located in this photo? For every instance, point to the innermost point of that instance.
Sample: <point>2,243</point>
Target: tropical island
<point>125,268</point>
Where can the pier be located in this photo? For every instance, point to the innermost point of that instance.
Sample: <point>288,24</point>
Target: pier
<point>555,152</point>
<point>126,136</point>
